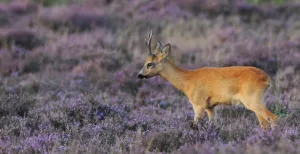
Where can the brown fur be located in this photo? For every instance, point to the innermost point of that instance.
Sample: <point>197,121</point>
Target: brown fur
<point>210,86</point>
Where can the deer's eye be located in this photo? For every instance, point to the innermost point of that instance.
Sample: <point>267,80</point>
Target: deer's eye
<point>149,65</point>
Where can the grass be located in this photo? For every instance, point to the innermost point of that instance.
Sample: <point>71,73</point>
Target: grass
<point>277,2</point>
<point>78,91</point>
<point>49,2</point>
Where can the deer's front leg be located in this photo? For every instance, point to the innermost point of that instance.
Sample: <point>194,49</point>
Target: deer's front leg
<point>210,114</point>
<point>198,113</point>
<point>198,100</point>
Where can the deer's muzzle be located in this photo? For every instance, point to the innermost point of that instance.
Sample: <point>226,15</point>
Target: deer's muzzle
<point>141,76</point>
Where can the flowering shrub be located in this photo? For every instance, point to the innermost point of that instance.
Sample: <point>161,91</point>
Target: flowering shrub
<point>74,88</point>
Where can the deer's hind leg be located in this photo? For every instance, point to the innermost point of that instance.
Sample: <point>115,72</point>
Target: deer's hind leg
<point>262,121</point>
<point>253,101</point>
<point>267,115</point>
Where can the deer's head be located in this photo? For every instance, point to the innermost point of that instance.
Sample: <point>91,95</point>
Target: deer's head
<point>154,62</point>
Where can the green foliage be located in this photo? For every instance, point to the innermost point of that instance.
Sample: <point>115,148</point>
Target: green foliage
<point>55,2</point>
<point>277,2</point>
<point>4,1</point>
<point>48,2</point>
<point>279,110</point>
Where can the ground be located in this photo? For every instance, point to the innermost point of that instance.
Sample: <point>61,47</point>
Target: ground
<point>69,76</point>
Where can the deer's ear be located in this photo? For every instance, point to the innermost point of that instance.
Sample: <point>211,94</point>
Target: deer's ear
<point>166,50</point>
<point>158,48</point>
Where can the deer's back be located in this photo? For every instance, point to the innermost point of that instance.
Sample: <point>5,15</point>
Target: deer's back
<point>225,82</point>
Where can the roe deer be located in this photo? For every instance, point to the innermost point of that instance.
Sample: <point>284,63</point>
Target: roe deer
<point>210,86</point>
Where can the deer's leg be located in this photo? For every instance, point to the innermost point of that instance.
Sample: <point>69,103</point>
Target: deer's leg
<point>262,121</point>
<point>198,113</point>
<point>210,114</point>
<point>264,116</point>
<point>268,116</point>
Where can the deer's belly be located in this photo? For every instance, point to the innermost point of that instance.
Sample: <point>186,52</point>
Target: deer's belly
<point>221,100</point>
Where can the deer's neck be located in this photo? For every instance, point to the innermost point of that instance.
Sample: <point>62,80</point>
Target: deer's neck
<point>175,75</point>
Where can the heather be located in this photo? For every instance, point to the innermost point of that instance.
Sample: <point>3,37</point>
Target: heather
<point>68,75</point>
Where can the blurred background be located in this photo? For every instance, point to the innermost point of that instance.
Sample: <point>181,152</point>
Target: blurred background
<point>68,74</point>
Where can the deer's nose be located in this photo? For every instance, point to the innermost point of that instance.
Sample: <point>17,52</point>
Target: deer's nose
<point>140,76</point>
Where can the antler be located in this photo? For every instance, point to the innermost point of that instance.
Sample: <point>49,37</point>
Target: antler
<point>148,42</point>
